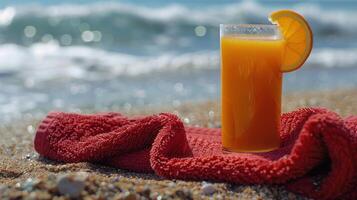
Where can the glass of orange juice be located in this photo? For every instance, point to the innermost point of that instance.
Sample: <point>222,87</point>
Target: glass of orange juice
<point>251,57</point>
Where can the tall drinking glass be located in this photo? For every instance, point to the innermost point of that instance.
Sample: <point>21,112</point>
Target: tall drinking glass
<point>251,57</point>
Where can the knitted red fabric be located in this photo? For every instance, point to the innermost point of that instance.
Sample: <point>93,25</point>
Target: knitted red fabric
<point>317,157</point>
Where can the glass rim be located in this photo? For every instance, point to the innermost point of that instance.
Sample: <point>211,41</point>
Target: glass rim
<point>251,31</point>
<point>250,25</point>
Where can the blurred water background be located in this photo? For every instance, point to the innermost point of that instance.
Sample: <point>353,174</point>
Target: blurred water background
<point>72,55</point>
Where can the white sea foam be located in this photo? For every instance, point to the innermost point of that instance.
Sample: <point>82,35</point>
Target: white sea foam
<point>245,11</point>
<point>51,61</point>
<point>167,13</point>
<point>333,58</point>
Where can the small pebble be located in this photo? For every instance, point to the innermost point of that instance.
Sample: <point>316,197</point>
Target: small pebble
<point>111,186</point>
<point>171,184</point>
<point>83,176</point>
<point>29,184</point>
<point>70,185</point>
<point>154,195</point>
<point>116,179</point>
<point>129,196</point>
<point>184,194</point>
<point>146,191</point>
<point>18,185</point>
<point>211,114</point>
<point>3,188</point>
<point>208,189</point>
<point>30,129</point>
<point>43,195</point>
<point>291,196</point>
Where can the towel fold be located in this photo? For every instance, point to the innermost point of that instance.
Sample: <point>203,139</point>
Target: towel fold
<point>317,157</point>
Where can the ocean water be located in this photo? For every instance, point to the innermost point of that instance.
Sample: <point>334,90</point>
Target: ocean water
<point>72,55</point>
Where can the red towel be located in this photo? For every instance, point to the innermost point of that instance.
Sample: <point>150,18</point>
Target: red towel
<point>317,157</point>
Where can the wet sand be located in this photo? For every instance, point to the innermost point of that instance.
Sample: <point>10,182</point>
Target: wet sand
<point>23,174</point>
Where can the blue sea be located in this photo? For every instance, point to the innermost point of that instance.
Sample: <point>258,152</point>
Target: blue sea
<point>72,55</point>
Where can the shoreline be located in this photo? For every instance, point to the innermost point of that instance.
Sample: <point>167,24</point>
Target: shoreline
<point>24,174</point>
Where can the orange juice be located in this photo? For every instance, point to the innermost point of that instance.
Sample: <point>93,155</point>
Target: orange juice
<point>251,92</point>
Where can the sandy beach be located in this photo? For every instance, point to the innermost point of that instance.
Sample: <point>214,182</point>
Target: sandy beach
<point>166,56</point>
<point>25,175</point>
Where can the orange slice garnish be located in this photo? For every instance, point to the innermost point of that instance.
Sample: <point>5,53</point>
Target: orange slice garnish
<point>298,38</point>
